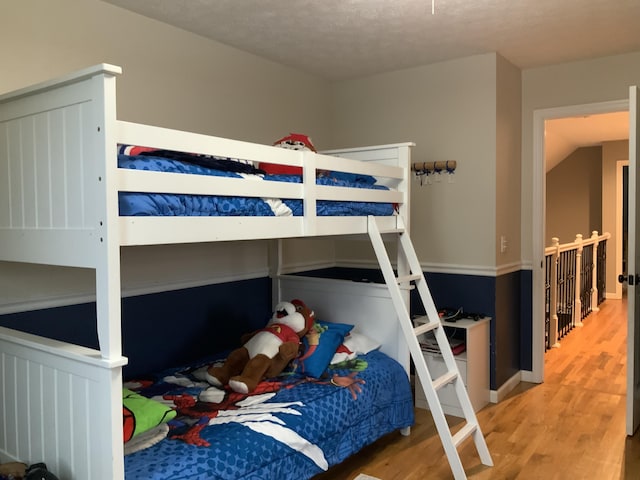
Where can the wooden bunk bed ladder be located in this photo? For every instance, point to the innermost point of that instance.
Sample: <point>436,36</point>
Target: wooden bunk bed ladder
<point>407,260</point>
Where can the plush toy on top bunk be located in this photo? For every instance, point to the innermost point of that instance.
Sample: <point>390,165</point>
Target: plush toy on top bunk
<point>293,141</point>
<point>265,353</point>
<point>296,141</point>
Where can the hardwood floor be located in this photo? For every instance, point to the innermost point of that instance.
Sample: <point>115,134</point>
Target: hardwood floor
<point>572,426</point>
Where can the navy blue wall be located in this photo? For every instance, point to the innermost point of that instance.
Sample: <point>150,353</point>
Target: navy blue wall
<point>506,299</point>
<point>526,320</point>
<point>507,327</point>
<point>164,329</point>
<point>171,328</point>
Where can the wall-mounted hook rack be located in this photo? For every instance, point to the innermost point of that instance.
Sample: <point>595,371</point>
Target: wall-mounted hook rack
<point>425,169</point>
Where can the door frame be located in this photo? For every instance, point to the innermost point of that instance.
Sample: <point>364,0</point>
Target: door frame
<point>539,213</point>
<point>620,164</point>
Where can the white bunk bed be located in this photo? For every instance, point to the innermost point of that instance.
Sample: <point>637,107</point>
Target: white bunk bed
<point>62,403</point>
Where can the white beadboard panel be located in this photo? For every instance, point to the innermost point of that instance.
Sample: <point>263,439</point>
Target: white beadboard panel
<point>23,415</point>
<point>28,166</point>
<point>42,157</point>
<point>47,400</point>
<point>5,181</point>
<point>9,399</point>
<point>34,404</point>
<point>80,428</point>
<point>367,305</point>
<point>74,178</point>
<point>16,214</point>
<point>64,417</point>
<point>43,164</point>
<point>50,449</point>
<point>58,168</point>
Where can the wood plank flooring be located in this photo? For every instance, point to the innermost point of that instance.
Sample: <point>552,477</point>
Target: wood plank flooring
<point>572,426</point>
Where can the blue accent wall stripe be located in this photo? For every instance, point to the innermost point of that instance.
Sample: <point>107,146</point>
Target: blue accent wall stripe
<point>505,298</point>
<point>165,329</point>
<point>171,328</point>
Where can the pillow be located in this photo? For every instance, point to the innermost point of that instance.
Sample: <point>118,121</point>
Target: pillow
<point>355,343</point>
<point>319,346</point>
<point>141,413</point>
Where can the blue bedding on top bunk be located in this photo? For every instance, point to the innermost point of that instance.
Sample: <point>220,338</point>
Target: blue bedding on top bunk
<point>292,427</point>
<point>159,204</point>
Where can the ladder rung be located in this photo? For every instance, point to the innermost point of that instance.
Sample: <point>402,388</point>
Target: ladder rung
<point>445,379</point>
<point>408,278</point>
<point>398,229</point>
<point>464,433</point>
<point>426,327</point>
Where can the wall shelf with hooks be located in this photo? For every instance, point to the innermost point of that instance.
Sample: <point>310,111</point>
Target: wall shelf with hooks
<point>427,169</point>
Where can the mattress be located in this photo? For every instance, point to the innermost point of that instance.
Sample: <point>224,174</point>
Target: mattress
<point>291,427</point>
<point>159,204</point>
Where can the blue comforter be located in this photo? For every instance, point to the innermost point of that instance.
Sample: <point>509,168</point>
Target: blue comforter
<point>292,427</point>
<point>159,204</point>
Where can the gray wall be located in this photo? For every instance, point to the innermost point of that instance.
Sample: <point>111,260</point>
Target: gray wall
<point>449,110</point>
<point>174,79</point>
<point>574,196</point>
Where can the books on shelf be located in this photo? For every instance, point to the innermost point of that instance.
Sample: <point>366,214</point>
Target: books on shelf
<point>430,345</point>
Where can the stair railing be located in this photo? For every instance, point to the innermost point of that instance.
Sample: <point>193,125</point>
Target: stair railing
<point>575,276</point>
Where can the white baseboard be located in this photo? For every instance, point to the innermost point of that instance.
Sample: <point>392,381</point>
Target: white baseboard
<point>528,376</point>
<point>496,396</point>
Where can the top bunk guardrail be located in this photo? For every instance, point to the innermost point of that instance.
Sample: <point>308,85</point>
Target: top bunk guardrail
<point>61,182</point>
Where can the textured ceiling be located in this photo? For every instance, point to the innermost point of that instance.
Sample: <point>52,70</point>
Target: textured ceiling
<point>342,39</point>
<point>339,39</point>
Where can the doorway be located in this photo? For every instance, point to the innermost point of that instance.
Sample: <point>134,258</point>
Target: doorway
<point>539,213</point>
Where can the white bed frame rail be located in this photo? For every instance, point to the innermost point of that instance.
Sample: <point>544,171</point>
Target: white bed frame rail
<point>59,185</point>
<point>153,230</point>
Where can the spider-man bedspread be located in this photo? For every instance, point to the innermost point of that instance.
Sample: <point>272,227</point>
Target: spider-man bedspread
<point>291,427</point>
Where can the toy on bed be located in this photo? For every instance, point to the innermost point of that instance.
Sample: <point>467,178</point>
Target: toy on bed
<point>265,353</point>
<point>296,141</point>
<point>293,141</point>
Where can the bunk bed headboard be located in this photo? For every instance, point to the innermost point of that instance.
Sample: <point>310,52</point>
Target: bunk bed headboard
<point>394,155</point>
<point>54,138</point>
<point>368,306</point>
<point>58,203</point>
<point>58,207</point>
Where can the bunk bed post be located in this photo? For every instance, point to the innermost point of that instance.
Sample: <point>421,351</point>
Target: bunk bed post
<point>310,192</point>
<point>108,246</point>
<point>404,186</point>
<point>108,290</point>
<point>404,161</point>
<point>275,269</point>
